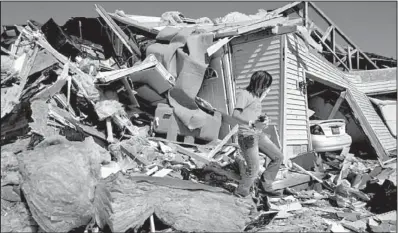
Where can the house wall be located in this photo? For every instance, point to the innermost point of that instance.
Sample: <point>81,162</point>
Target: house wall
<point>260,53</point>
<point>297,135</point>
<point>299,57</point>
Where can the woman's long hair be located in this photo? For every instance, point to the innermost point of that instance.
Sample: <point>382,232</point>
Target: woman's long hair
<point>259,81</point>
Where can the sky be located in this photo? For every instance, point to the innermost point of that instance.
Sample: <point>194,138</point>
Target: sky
<point>370,25</point>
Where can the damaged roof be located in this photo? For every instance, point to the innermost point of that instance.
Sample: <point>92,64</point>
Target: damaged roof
<point>374,82</point>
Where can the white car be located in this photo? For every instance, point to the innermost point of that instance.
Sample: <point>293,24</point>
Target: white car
<point>329,135</point>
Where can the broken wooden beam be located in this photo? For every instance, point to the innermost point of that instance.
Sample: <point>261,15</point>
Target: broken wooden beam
<point>56,87</point>
<point>8,52</point>
<point>216,46</point>
<point>13,95</point>
<point>197,156</point>
<point>294,179</point>
<point>10,76</point>
<point>109,130</point>
<point>44,44</point>
<point>337,105</point>
<point>14,47</point>
<point>129,150</point>
<point>130,45</point>
<point>125,123</point>
<point>130,92</point>
<point>162,173</point>
<point>219,146</point>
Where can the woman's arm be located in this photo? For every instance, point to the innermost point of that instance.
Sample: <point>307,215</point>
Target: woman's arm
<point>236,118</point>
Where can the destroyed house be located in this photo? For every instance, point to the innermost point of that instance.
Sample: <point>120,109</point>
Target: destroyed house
<point>302,68</point>
<point>306,63</point>
<point>131,111</point>
<point>310,70</point>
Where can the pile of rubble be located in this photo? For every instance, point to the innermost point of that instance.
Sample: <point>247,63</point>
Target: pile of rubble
<point>347,194</point>
<point>91,114</point>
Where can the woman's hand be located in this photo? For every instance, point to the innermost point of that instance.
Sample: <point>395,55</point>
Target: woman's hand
<point>261,125</point>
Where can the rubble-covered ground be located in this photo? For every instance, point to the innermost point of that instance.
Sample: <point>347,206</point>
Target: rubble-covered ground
<point>83,148</point>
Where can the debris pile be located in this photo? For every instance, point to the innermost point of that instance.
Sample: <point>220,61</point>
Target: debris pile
<point>92,113</point>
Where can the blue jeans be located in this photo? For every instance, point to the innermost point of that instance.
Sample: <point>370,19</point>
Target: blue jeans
<point>250,146</point>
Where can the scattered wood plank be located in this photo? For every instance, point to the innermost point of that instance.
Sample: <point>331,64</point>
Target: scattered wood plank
<point>8,52</point>
<point>175,142</point>
<point>152,170</point>
<point>4,80</point>
<point>130,92</point>
<point>294,179</point>
<point>124,122</point>
<point>43,43</point>
<point>127,150</point>
<point>109,130</point>
<point>14,47</point>
<point>13,95</point>
<point>201,158</point>
<point>213,152</point>
<point>324,183</point>
<point>56,87</point>
<point>162,173</point>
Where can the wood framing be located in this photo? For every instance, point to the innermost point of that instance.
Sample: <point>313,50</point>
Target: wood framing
<point>302,8</point>
<point>342,61</point>
<point>349,57</point>
<point>340,32</point>
<point>337,105</point>
<point>326,34</point>
<point>332,51</point>
<point>305,10</point>
<point>333,40</point>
